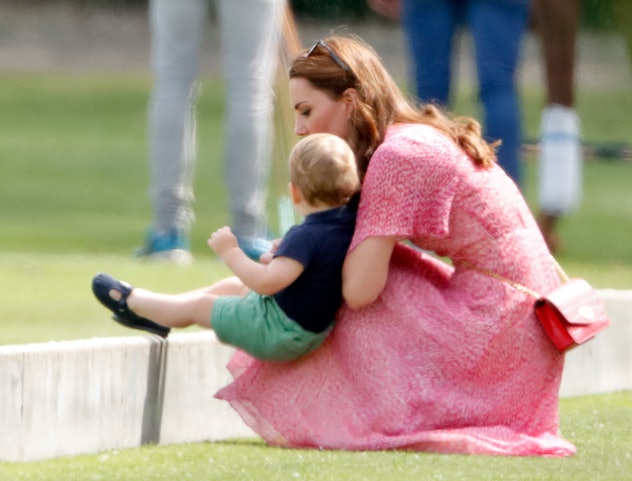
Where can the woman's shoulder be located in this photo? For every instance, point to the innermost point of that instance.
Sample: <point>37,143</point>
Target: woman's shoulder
<point>417,136</point>
<point>410,132</point>
<point>411,143</point>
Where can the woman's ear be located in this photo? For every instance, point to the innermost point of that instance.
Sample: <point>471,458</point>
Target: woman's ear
<point>350,97</point>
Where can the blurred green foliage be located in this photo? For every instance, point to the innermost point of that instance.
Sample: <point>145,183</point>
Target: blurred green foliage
<point>599,14</point>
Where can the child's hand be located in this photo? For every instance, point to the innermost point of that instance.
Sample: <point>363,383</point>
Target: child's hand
<point>222,240</point>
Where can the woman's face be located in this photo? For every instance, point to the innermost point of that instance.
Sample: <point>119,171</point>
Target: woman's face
<point>315,111</point>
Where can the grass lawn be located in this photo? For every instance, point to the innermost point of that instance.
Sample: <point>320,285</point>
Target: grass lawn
<point>73,198</point>
<point>73,180</point>
<point>597,425</point>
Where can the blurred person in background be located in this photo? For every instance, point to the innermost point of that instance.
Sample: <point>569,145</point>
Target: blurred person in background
<point>560,153</point>
<point>250,36</point>
<point>497,28</point>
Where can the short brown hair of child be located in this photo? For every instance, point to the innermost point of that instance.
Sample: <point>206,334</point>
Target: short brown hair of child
<point>323,167</point>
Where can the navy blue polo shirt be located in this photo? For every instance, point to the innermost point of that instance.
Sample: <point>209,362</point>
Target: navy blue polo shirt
<point>320,244</point>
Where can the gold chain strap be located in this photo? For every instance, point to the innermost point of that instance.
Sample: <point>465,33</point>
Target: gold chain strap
<point>516,285</point>
<point>560,271</point>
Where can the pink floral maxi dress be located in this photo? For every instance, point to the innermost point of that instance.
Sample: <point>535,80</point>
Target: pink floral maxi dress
<point>448,359</point>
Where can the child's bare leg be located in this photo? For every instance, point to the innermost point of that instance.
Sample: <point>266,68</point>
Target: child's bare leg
<point>186,309</point>
<point>179,310</point>
<point>230,286</point>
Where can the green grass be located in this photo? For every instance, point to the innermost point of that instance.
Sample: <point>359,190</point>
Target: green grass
<point>47,296</point>
<point>597,425</point>
<point>74,168</point>
<point>73,181</point>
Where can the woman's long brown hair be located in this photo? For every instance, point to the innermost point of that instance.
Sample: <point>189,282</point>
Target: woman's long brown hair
<point>380,101</point>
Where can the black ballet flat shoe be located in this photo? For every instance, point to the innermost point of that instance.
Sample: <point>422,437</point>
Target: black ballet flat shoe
<point>102,284</point>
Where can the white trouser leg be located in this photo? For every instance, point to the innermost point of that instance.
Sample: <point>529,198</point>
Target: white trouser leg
<point>560,161</point>
<point>177,28</point>
<point>251,31</point>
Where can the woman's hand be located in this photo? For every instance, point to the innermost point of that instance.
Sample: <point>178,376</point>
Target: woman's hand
<point>267,257</point>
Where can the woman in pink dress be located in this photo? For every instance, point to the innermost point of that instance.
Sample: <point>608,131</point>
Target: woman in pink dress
<point>431,351</point>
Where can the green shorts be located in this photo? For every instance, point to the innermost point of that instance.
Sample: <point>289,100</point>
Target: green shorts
<point>257,325</point>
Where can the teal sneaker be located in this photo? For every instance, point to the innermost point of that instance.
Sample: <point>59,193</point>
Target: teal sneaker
<point>254,247</point>
<point>172,247</point>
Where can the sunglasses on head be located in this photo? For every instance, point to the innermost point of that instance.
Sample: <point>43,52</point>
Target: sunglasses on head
<point>333,55</point>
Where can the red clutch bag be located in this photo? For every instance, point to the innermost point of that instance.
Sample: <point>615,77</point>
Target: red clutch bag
<point>572,314</point>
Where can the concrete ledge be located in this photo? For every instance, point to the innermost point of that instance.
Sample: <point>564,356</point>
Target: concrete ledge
<point>604,364</point>
<point>74,397</point>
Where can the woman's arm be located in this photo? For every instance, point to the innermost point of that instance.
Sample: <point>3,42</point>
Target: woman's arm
<point>365,270</point>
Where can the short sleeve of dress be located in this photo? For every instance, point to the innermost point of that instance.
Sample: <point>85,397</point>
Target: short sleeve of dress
<point>409,186</point>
